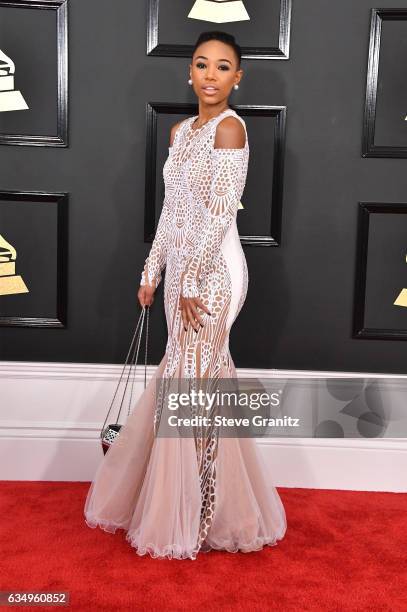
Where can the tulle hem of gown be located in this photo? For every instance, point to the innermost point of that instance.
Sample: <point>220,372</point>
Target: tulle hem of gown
<point>174,551</point>
<point>161,515</point>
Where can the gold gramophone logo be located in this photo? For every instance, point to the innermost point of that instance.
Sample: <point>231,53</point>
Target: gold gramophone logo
<point>10,282</point>
<point>402,297</point>
<point>219,11</point>
<point>10,99</point>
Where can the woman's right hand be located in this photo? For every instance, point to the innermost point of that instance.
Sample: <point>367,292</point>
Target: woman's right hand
<point>146,295</point>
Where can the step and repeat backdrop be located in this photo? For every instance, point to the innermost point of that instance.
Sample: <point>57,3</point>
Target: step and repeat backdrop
<point>88,94</point>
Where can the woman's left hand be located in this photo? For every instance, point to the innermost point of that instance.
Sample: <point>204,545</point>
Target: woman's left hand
<point>189,313</point>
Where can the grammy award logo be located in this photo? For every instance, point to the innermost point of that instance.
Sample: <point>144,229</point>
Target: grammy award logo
<point>402,297</point>
<point>219,11</point>
<point>9,282</point>
<point>10,98</point>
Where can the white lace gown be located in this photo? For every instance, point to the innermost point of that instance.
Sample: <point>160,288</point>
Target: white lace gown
<point>178,496</point>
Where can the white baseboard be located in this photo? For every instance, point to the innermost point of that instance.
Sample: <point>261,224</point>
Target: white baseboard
<point>51,415</point>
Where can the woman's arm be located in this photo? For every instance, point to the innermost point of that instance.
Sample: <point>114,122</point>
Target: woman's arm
<point>157,257</point>
<point>225,193</point>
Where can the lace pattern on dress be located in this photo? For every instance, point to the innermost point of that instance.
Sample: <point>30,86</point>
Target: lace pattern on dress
<point>203,187</point>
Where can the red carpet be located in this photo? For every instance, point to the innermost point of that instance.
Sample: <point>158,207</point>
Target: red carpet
<point>343,550</point>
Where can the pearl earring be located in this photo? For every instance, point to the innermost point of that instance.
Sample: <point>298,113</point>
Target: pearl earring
<point>190,82</point>
<point>235,86</point>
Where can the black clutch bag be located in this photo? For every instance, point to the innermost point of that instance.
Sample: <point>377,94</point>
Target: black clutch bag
<point>110,432</point>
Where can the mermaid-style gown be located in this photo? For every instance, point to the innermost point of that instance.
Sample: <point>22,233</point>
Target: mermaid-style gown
<point>178,496</point>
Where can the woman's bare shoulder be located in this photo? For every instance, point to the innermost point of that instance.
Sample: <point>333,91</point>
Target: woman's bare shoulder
<point>230,134</point>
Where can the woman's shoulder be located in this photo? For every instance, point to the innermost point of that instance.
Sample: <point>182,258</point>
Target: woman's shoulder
<point>175,128</point>
<point>230,132</point>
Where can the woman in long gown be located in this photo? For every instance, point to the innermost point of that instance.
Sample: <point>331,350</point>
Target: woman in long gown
<point>178,496</point>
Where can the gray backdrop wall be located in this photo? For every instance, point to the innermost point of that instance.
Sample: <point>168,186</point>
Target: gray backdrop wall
<point>299,309</point>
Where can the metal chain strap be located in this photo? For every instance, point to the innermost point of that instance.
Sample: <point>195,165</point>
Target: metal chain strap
<point>136,341</point>
<point>136,359</point>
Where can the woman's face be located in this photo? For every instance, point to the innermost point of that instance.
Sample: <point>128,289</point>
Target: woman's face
<point>214,71</point>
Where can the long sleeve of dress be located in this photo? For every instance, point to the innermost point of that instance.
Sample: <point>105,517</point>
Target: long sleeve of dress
<point>226,187</point>
<point>157,257</point>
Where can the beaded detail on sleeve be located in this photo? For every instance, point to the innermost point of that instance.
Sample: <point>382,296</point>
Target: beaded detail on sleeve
<point>156,260</point>
<point>225,190</point>
<point>203,187</point>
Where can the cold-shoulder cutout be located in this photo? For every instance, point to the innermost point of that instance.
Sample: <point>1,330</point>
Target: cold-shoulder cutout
<point>230,134</point>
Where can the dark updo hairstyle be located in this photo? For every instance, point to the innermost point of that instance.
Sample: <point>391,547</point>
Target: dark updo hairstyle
<point>224,37</point>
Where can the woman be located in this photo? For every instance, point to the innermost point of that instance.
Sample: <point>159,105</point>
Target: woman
<point>178,496</point>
